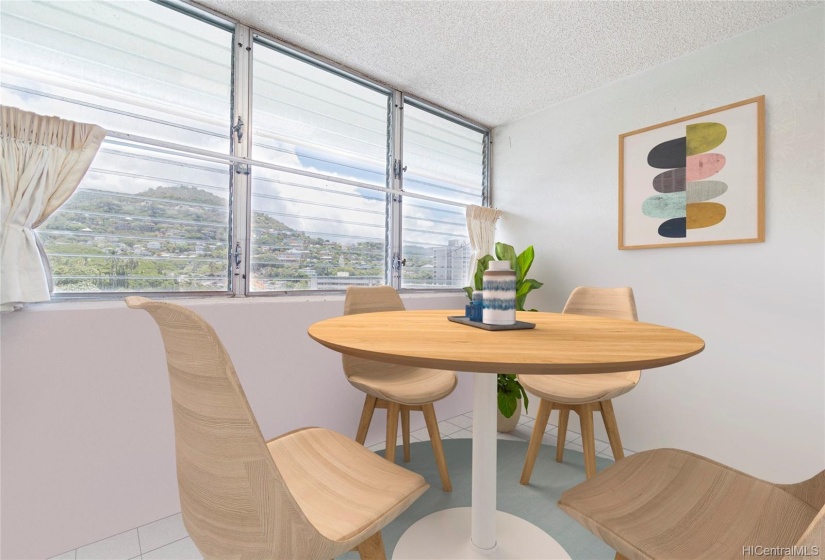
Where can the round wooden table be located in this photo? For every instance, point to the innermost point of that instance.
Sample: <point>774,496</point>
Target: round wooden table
<point>560,344</point>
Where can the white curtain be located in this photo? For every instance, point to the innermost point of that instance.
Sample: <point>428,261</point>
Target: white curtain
<point>481,227</point>
<point>42,160</point>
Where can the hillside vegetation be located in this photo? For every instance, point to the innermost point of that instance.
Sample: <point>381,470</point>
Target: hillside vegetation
<point>175,238</point>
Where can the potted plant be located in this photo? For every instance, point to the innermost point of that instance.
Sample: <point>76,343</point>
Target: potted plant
<point>510,391</point>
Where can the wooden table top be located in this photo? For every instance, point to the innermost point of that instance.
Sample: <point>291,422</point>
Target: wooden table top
<point>560,343</point>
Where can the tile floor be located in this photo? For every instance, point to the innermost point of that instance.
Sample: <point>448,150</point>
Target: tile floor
<point>166,539</point>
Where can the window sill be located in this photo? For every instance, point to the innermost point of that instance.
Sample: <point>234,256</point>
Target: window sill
<point>117,302</point>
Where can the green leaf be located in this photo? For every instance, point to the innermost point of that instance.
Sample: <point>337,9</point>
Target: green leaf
<point>469,291</point>
<point>527,286</point>
<point>523,263</point>
<point>507,404</point>
<point>524,396</point>
<point>523,289</point>
<point>483,265</point>
<point>506,252</point>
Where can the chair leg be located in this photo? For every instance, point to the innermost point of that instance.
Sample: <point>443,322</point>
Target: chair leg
<point>612,429</point>
<point>620,557</point>
<point>438,449</point>
<point>405,432</point>
<point>392,431</point>
<point>564,413</point>
<point>588,439</point>
<point>545,408</point>
<point>372,548</point>
<point>366,419</point>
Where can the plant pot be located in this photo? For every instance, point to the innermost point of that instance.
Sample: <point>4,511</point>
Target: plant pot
<point>506,425</point>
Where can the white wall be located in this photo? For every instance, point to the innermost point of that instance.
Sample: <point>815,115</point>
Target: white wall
<point>88,445</point>
<point>755,398</point>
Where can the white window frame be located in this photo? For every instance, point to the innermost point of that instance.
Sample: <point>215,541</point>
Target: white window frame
<point>238,263</point>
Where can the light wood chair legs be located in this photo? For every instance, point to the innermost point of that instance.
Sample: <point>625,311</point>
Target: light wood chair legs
<point>545,408</point>
<point>372,548</point>
<point>564,413</point>
<point>612,429</point>
<point>393,412</point>
<point>585,412</point>
<point>620,557</point>
<point>438,449</point>
<point>366,418</point>
<point>392,430</point>
<point>405,432</point>
<point>588,439</point>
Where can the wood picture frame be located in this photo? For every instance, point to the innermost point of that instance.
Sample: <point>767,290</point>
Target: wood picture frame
<point>670,172</point>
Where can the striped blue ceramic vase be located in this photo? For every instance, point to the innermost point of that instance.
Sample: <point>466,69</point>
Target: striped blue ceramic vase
<point>499,294</point>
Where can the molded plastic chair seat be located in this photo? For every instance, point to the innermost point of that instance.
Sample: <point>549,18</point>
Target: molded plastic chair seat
<point>339,485</point>
<point>406,385</point>
<point>309,494</point>
<point>578,389</point>
<point>583,394</point>
<point>672,504</point>
<point>396,388</point>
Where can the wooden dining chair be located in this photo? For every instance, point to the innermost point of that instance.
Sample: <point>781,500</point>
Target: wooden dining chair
<point>582,393</point>
<point>310,493</point>
<point>669,504</point>
<point>398,389</point>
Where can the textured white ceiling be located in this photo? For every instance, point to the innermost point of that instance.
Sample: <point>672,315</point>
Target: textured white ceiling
<point>497,61</point>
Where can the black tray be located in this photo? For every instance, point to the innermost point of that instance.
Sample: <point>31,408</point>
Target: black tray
<point>520,325</point>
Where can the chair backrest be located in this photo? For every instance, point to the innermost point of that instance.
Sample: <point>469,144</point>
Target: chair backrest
<point>369,300</point>
<point>614,303</point>
<point>234,501</point>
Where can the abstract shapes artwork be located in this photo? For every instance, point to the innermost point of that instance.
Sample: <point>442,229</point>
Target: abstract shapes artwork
<point>697,180</point>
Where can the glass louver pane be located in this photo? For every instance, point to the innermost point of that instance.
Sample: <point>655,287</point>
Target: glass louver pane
<point>142,221</point>
<point>314,234</point>
<point>435,245</point>
<point>309,118</point>
<point>135,67</point>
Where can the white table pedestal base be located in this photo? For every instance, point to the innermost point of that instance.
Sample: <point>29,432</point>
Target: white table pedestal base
<point>445,535</point>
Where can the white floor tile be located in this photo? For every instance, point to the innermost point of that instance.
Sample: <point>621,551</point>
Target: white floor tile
<point>446,428</point>
<point>523,432</point>
<point>400,441</point>
<point>183,549</point>
<point>70,555</point>
<point>421,435</point>
<point>161,532</point>
<point>574,446</point>
<point>572,437</point>
<point>120,547</point>
<point>509,437</point>
<point>549,439</point>
<point>602,445</point>
<point>461,421</point>
<point>461,434</point>
<point>377,447</point>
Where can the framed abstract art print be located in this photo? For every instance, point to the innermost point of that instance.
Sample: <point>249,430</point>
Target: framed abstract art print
<point>697,180</point>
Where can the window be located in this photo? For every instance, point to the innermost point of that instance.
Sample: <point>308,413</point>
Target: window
<point>445,161</point>
<point>234,164</point>
<point>141,219</point>
<point>310,232</point>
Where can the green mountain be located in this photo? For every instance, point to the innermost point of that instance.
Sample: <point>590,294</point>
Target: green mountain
<point>176,238</point>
